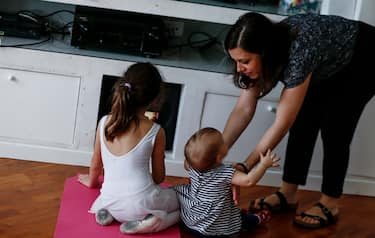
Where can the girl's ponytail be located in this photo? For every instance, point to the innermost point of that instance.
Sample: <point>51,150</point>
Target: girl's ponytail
<point>139,86</point>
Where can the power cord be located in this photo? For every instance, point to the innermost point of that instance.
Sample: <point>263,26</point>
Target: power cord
<point>207,41</point>
<point>27,44</point>
<point>44,24</point>
<point>203,43</point>
<point>42,19</point>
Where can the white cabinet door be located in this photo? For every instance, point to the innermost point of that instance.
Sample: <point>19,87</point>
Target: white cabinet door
<point>38,108</point>
<point>216,111</point>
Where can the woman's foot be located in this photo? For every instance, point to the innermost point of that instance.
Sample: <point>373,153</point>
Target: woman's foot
<point>323,213</point>
<point>281,201</point>
<point>276,202</point>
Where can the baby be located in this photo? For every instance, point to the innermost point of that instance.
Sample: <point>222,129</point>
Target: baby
<point>207,207</point>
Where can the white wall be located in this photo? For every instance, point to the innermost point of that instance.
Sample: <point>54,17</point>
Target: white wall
<point>365,11</point>
<point>343,8</point>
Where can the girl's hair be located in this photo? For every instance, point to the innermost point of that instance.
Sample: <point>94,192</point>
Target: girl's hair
<point>255,33</point>
<point>137,88</point>
<point>202,148</point>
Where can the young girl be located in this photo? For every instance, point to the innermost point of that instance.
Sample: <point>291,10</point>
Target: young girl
<point>125,142</point>
<point>207,207</point>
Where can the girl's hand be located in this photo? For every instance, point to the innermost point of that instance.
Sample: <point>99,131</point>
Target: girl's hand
<point>85,180</point>
<point>269,159</point>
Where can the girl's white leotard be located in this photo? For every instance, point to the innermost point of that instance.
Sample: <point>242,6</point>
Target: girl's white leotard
<point>128,191</point>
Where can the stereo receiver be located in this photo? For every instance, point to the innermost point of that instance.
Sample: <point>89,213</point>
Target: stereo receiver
<point>118,31</point>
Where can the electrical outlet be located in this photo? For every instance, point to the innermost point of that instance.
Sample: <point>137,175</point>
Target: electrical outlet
<point>174,28</point>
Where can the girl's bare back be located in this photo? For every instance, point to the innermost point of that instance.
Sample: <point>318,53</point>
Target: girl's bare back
<point>130,138</point>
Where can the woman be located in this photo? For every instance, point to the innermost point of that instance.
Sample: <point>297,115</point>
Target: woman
<point>322,63</point>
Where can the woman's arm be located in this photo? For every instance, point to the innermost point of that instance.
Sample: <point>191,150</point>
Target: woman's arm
<point>290,103</point>
<point>241,115</point>
<point>91,180</point>
<point>158,155</point>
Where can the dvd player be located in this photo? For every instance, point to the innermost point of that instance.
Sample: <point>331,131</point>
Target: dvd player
<point>118,31</point>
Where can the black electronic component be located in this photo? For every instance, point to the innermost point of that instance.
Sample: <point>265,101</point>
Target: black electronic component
<point>21,25</point>
<point>118,31</point>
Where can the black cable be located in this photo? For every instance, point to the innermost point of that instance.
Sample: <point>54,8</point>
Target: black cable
<point>43,16</point>
<point>57,12</point>
<point>29,44</point>
<point>60,30</point>
<point>198,44</point>
<point>46,26</point>
<point>201,44</point>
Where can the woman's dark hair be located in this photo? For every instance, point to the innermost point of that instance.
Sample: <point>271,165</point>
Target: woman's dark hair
<point>255,33</point>
<point>138,87</point>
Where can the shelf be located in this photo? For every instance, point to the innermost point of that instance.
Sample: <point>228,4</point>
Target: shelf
<point>223,13</point>
<point>213,59</point>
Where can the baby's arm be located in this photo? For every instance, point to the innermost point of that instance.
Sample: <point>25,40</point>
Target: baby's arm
<point>250,179</point>
<point>91,180</point>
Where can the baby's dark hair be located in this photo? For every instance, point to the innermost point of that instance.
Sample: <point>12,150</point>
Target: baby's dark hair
<point>202,148</point>
<point>137,88</point>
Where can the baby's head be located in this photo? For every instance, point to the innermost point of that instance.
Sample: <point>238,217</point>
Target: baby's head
<point>205,149</point>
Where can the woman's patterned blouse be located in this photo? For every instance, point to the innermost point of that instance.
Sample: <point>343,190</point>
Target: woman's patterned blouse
<point>323,45</point>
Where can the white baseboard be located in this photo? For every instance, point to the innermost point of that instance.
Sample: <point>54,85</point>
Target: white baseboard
<point>45,154</point>
<point>354,185</point>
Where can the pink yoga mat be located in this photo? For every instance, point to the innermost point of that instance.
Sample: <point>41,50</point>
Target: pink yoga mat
<point>74,221</point>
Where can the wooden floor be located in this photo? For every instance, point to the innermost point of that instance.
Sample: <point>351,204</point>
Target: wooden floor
<point>30,196</point>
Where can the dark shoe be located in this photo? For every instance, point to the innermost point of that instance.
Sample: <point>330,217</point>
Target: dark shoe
<point>103,217</point>
<point>283,205</point>
<point>322,221</point>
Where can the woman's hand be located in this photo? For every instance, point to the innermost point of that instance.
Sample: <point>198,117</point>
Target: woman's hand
<point>291,100</point>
